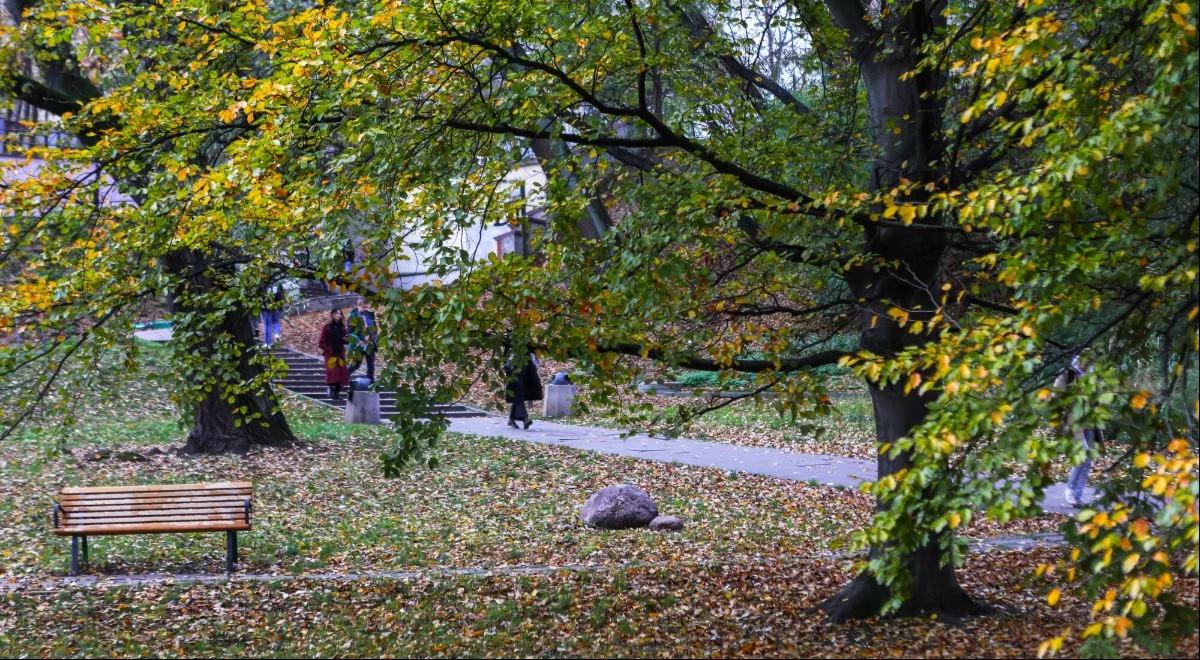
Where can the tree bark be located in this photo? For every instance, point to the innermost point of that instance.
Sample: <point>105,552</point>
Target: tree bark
<point>215,427</point>
<point>934,587</point>
<point>906,118</point>
<point>218,426</point>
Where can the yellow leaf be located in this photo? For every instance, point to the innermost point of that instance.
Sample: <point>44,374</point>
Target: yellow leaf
<point>1138,401</point>
<point>1130,562</point>
<point>914,379</point>
<point>1053,596</point>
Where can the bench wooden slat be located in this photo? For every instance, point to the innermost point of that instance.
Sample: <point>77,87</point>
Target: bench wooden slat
<point>178,492</point>
<point>156,513</point>
<point>191,489</point>
<point>83,490</point>
<point>240,514</point>
<point>154,508</point>
<point>146,501</point>
<point>148,528</point>
<point>73,504</point>
<point>201,494</point>
<point>150,510</point>
<point>195,501</point>
<point>139,520</point>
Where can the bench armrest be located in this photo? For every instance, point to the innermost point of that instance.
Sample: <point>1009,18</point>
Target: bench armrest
<point>248,507</point>
<point>54,513</point>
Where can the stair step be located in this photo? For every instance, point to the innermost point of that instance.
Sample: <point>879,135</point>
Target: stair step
<point>314,388</point>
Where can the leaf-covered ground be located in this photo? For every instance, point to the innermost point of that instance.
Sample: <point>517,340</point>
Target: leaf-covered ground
<point>682,611</point>
<point>849,431</point>
<point>756,554</point>
<point>328,505</point>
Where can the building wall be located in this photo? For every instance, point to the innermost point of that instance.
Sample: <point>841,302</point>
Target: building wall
<point>480,239</point>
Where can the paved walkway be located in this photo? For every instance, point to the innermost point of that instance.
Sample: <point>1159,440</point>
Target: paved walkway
<point>780,463</point>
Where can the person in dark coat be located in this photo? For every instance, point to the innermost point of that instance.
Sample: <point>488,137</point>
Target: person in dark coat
<point>333,348</point>
<point>523,385</point>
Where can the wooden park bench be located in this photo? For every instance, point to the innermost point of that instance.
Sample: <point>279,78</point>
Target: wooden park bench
<point>110,510</point>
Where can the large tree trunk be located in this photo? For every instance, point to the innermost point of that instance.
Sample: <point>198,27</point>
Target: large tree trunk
<point>906,117</point>
<point>934,588</point>
<point>215,427</point>
<point>218,425</point>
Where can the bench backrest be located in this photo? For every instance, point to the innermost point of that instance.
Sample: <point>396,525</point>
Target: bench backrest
<point>139,509</point>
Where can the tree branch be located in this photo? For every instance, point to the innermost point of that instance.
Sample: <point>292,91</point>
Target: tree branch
<point>703,32</point>
<point>707,364</point>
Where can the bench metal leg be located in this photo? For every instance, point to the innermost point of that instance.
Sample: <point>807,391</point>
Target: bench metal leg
<point>85,552</point>
<point>231,551</point>
<point>74,555</point>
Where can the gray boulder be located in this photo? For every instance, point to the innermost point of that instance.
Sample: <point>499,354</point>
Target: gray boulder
<point>666,523</point>
<point>624,506</point>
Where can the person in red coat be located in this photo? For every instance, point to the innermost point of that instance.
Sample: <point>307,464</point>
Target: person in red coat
<point>333,347</point>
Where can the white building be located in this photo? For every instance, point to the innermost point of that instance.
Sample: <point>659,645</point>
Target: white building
<point>525,182</point>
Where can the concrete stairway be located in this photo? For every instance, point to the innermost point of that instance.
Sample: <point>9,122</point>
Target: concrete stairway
<point>306,377</point>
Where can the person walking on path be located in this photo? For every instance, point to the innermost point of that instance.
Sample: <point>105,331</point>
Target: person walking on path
<point>523,385</point>
<point>272,317</point>
<point>1091,439</point>
<point>364,338</point>
<point>333,348</point>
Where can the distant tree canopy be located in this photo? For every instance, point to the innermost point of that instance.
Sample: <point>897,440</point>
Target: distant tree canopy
<point>976,191</point>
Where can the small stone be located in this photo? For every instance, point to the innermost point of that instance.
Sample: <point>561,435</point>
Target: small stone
<point>624,506</point>
<point>153,451</point>
<point>666,524</point>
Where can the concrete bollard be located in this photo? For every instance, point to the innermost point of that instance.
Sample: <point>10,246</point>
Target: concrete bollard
<point>363,408</point>
<point>558,400</point>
